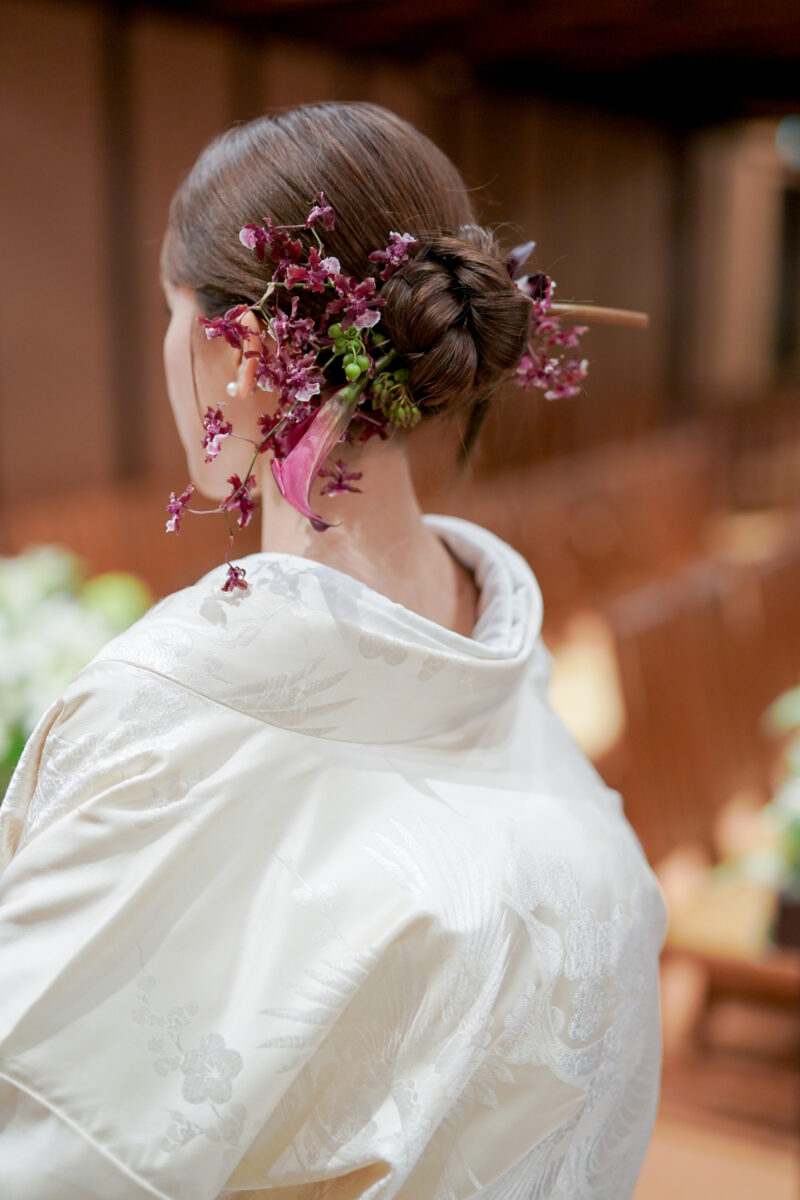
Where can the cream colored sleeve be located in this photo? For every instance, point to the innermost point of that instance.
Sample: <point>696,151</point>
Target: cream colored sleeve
<point>68,1165</point>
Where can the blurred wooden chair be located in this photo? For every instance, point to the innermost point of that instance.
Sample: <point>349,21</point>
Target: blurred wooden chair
<point>700,656</point>
<point>597,524</point>
<point>756,449</point>
<point>778,582</point>
<point>689,651</point>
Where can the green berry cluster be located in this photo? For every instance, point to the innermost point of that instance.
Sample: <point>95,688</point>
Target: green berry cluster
<point>390,395</point>
<point>387,388</point>
<point>350,344</point>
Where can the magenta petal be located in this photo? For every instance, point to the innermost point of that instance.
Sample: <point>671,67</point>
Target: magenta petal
<point>295,474</point>
<point>518,257</point>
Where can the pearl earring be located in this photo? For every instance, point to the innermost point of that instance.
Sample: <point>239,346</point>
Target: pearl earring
<point>231,388</point>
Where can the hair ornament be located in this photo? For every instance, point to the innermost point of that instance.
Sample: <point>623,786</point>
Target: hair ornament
<point>370,397</point>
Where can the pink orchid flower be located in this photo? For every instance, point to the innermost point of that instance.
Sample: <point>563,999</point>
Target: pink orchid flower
<point>296,473</point>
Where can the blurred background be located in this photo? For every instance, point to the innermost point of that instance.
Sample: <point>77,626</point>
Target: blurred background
<point>653,153</point>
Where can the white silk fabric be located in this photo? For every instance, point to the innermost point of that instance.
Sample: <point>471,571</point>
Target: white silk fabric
<point>304,896</point>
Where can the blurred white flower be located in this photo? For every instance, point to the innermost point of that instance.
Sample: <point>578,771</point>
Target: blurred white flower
<point>784,806</point>
<point>52,623</point>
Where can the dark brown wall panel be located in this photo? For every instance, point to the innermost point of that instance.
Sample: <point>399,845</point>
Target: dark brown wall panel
<point>56,398</point>
<point>296,74</point>
<point>180,98</point>
<point>593,191</point>
<point>84,167</point>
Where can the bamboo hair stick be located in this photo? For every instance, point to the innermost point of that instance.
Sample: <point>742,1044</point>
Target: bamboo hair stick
<point>604,316</point>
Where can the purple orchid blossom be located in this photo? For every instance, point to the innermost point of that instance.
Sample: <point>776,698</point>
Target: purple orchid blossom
<point>357,300</point>
<point>538,286</point>
<point>536,370</point>
<point>295,474</point>
<point>315,273</point>
<point>240,498</point>
<point>175,507</point>
<point>297,332</point>
<point>254,237</point>
<point>234,579</point>
<point>295,377</point>
<point>305,425</point>
<point>216,429</point>
<point>321,212</point>
<point>229,326</point>
<point>396,252</point>
<point>339,481</point>
<point>283,248</point>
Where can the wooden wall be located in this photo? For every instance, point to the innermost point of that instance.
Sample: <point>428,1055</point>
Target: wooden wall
<point>102,114</point>
<point>56,372</point>
<point>733,241</point>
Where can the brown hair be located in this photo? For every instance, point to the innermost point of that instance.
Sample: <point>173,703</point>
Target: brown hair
<point>453,312</point>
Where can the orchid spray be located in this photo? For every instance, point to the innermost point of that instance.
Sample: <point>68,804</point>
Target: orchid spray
<point>374,397</point>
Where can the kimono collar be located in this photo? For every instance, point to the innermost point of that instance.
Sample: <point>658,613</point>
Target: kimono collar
<point>312,649</point>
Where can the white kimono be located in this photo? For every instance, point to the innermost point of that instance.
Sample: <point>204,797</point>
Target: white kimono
<point>304,896</point>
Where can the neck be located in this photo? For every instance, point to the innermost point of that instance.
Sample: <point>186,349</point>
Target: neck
<point>380,538</point>
<point>380,528</point>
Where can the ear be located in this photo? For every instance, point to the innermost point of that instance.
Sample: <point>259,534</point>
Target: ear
<point>247,368</point>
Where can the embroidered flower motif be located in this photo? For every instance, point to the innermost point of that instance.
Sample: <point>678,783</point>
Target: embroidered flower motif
<point>431,666</point>
<point>230,1127</point>
<point>371,645</point>
<point>167,1064</point>
<point>179,1016</point>
<point>179,1131</point>
<point>209,1070</point>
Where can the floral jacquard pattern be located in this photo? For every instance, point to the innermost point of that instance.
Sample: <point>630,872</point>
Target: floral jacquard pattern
<point>353,926</point>
<point>152,710</point>
<point>208,1069</point>
<point>71,768</point>
<point>285,681</point>
<point>575,1026</point>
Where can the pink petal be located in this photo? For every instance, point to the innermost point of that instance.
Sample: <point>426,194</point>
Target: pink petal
<point>518,257</point>
<point>296,473</point>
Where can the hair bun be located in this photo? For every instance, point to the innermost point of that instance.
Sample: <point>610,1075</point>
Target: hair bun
<point>457,318</point>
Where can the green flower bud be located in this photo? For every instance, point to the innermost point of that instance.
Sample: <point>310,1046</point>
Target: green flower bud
<point>362,361</point>
<point>335,330</point>
<point>352,370</point>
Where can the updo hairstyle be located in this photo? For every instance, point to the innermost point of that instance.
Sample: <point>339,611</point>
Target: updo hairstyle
<point>456,318</point>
